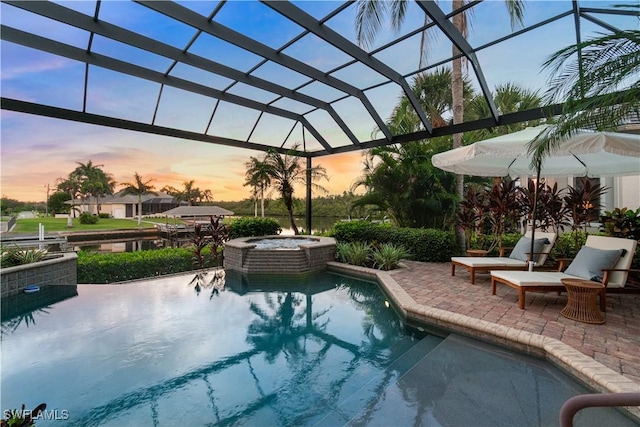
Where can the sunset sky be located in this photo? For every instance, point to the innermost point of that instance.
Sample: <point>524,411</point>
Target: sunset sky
<point>36,151</point>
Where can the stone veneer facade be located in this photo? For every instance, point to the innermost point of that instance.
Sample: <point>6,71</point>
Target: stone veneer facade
<point>241,255</point>
<point>55,271</point>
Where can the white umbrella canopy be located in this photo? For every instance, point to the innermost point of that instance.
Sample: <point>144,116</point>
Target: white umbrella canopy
<point>585,154</point>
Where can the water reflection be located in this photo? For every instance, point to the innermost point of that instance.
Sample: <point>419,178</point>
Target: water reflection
<point>320,224</point>
<point>129,245</point>
<point>265,353</point>
<point>17,310</point>
<point>312,350</point>
<point>205,279</point>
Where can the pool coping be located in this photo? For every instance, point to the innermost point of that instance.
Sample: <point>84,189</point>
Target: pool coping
<point>578,365</point>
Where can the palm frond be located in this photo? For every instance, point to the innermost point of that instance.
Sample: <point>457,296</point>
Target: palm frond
<point>368,22</point>
<point>516,12</point>
<point>398,9</point>
<point>607,61</point>
<point>600,93</point>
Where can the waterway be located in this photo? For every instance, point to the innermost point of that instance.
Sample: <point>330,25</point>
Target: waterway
<point>319,225</point>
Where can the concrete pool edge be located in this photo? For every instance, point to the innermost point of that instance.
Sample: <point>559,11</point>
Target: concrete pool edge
<point>582,367</point>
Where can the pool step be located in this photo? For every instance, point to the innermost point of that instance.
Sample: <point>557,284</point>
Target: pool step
<point>353,405</point>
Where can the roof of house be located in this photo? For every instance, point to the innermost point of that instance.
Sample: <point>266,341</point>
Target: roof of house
<point>119,198</point>
<point>197,211</point>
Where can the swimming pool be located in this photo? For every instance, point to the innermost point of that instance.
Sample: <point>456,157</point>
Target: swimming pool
<point>321,349</point>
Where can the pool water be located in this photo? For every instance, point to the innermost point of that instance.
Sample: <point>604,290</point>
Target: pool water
<point>318,350</point>
<point>281,242</point>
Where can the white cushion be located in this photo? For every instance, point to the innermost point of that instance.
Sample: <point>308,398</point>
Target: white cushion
<point>488,261</point>
<point>532,278</point>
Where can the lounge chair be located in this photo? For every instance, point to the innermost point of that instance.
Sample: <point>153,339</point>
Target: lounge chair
<point>594,258</point>
<point>517,260</point>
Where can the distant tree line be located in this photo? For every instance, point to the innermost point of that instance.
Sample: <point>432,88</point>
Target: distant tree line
<point>339,206</point>
<point>13,207</point>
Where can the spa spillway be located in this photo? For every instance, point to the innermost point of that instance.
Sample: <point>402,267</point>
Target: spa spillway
<point>279,254</point>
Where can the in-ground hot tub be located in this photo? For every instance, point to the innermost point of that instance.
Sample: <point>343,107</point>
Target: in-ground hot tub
<point>279,254</point>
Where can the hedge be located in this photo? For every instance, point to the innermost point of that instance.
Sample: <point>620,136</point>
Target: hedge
<point>117,267</point>
<point>251,227</point>
<point>424,244</point>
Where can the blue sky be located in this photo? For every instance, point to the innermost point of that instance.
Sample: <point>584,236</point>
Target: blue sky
<point>36,150</point>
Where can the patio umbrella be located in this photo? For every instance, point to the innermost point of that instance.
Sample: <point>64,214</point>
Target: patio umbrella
<point>586,153</point>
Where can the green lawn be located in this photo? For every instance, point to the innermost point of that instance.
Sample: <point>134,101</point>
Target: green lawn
<point>30,225</point>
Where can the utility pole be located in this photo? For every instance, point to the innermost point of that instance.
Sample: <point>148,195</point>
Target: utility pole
<point>46,204</point>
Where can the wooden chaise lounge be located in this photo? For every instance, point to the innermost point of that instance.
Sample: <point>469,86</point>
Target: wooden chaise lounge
<point>486,264</point>
<point>614,277</point>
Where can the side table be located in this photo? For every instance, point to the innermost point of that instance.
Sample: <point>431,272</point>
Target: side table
<point>582,303</point>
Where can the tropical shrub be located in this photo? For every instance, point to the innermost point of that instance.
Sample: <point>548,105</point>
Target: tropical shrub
<point>583,202</point>
<point>10,257</point>
<point>471,210</point>
<point>354,253</point>
<point>568,244</point>
<point>496,211</point>
<point>87,218</point>
<point>211,237</point>
<point>250,227</point>
<point>486,241</point>
<point>104,215</point>
<point>623,223</point>
<point>425,244</point>
<point>388,256</point>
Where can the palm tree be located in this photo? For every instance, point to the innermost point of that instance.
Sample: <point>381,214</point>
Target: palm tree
<point>70,185</point>
<point>206,196</point>
<point>100,186</point>
<point>94,181</point>
<point>189,194</point>
<point>400,179</point>
<point>139,188</point>
<point>433,91</point>
<point>285,171</point>
<point>508,98</point>
<point>599,92</point>
<point>170,190</point>
<point>369,17</point>
<point>403,183</point>
<point>257,176</point>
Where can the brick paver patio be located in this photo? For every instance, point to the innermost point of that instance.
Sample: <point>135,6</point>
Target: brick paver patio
<point>615,344</point>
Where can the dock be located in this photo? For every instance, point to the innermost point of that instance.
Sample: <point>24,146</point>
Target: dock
<point>34,241</point>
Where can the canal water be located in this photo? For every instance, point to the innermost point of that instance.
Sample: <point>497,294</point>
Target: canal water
<point>319,225</point>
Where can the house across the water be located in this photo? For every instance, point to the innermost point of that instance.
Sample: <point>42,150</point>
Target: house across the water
<point>126,206</point>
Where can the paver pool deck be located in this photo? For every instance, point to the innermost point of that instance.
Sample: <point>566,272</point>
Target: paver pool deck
<point>607,356</point>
